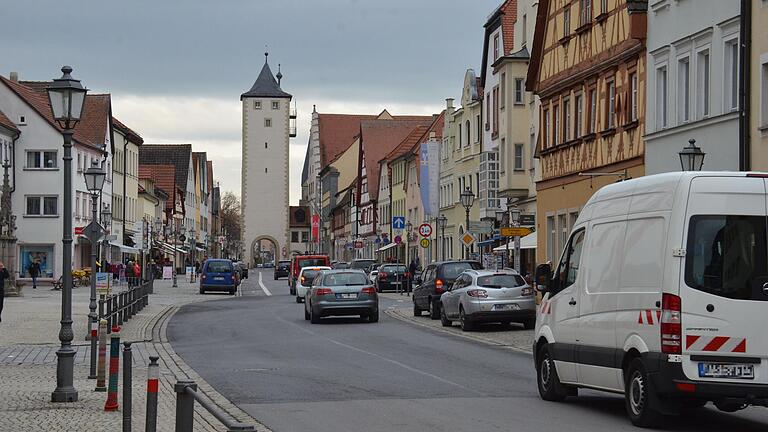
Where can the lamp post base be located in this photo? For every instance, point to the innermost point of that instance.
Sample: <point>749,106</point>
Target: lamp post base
<point>65,389</point>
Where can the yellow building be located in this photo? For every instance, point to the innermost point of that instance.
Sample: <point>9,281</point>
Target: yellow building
<point>758,94</point>
<point>588,67</point>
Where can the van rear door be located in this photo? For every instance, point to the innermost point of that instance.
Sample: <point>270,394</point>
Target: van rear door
<point>724,287</point>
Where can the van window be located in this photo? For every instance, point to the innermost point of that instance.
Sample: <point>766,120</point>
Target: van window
<point>219,267</point>
<point>568,269</point>
<point>311,262</point>
<point>727,256</point>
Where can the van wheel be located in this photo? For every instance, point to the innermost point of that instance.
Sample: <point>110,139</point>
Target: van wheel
<point>416,310</point>
<point>434,309</point>
<point>444,319</point>
<point>637,395</point>
<point>466,324</point>
<point>550,387</point>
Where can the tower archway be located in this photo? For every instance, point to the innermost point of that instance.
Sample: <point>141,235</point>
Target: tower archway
<point>264,249</point>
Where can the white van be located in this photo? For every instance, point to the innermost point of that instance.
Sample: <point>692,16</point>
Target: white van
<point>661,294</point>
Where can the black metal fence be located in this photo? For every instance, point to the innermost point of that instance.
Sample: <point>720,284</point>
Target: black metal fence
<point>119,307</point>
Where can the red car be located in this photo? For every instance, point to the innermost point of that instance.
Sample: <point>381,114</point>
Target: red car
<point>300,261</point>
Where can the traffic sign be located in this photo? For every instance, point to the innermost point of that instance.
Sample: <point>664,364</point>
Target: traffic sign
<point>424,243</point>
<point>79,230</point>
<point>425,230</point>
<point>515,231</point>
<point>481,227</point>
<point>468,239</point>
<point>358,245</point>
<point>398,222</point>
<point>398,239</point>
<point>527,220</point>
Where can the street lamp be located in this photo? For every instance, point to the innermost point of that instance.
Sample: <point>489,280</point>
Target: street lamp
<point>514,214</point>
<point>106,220</point>
<point>442,221</point>
<point>94,181</point>
<point>66,96</point>
<point>500,216</point>
<point>467,198</point>
<point>691,157</point>
<point>192,253</point>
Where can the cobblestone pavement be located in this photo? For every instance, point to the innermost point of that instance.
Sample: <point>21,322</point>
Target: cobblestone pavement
<point>514,337</point>
<point>28,344</point>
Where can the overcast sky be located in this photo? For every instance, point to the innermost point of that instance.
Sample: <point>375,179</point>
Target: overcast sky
<point>176,68</point>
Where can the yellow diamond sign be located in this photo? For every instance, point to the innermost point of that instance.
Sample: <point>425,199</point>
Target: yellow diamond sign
<point>468,239</point>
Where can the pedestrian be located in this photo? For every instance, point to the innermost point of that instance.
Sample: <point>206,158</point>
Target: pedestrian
<point>129,273</point>
<point>411,273</point>
<point>136,271</point>
<point>4,275</point>
<point>34,272</point>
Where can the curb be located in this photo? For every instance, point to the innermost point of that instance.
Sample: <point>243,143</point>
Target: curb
<point>397,314</point>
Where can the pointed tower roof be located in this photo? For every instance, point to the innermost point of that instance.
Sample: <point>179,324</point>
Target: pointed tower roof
<point>266,85</point>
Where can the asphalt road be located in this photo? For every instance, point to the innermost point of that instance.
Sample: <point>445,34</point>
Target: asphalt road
<point>348,375</point>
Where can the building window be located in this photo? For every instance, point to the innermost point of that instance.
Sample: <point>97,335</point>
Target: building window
<point>265,145</point>
<point>579,106</point>
<point>43,205</point>
<point>519,91</point>
<point>43,255</point>
<point>732,75</point>
<point>43,159</point>
<point>495,110</point>
<point>661,97</point>
<point>603,6</point>
<point>461,135</point>
<point>545,130</point>
<point>585,11</point>
<point>702,80</point>
<point>764,96</point>
<point>551,236</point>
<point>525,30</point>
<point>556,128</point>
<point>633,94</point>
<point>304,236</point>
<point>495,46</point>
<point>519,157</point>
<point>611,107</point>
<point>294,236</point>
<point>563,225</point>
<point>479,130</point>
<point>502,103</point>
<point>257,104</point>
<point>275,105</point>
<point>488,112</point>
<point>567,20</point>
<point>267,122</point>
<point>566,119</point>
<point>503,156</point>
<point>467,132</point>
<point>592,111</point>
<point>683,90</point>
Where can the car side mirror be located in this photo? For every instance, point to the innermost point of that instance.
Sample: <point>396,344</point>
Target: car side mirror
<point>543,277</point>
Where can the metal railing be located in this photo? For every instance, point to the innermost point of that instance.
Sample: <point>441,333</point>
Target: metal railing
<point>119,307</point>
<point>186,395</point>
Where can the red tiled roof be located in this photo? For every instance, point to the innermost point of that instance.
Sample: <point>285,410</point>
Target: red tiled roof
<point>407,144</point>
<point>7,123</point>
<point>379,137</point>
<point>93,126</point>
<point>125,130</point>
<point>436,127</point>
<point>209,180</point>
<point>164,178</point>
<point>508,20</point>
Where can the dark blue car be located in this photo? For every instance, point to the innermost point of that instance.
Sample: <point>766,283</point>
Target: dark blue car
<point>218,275</point>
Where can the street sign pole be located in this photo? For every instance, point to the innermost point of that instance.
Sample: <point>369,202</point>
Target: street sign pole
<point>516,223</point>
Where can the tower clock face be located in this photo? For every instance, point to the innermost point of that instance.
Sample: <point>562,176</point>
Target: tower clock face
<point>300,215</point>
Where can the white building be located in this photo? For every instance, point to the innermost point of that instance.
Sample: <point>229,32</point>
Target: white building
<point>125,189</point>
<point>693,82</point>
<point>267,128</point>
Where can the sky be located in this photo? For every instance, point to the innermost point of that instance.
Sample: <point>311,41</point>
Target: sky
<point>176,68</point>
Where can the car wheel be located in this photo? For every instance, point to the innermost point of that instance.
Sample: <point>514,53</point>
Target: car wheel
<point>550,388</point>
<point>373,317</point>
<point>416,309</point>
<point>444,319</point>
<point>306,314</point>
<point>202,291</point>
<point>298,299</point>
<point>314,319</point>
<point>276,278</point>
<point>434,309</point>
<point>729,407</point>
<point>466,324</point>
<point>637,396</point>
<point>529,324</point>
<point>233,291</point>
<point>378,288</point>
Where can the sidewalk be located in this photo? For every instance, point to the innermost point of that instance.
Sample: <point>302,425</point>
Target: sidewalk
<point>28,344</point>
<point>515,338</point>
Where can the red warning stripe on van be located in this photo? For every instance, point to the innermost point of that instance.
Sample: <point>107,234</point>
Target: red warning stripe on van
<point>715,344</point>
<point>546,307</point>
<point>645,317</point>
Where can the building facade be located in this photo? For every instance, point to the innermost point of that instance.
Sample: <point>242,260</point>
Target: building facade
<point>758,86</point>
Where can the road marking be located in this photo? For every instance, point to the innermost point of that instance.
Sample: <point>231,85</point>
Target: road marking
<point>263,288</point>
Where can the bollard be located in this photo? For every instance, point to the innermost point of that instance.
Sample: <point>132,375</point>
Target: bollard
<point>127,386</point>
<point>94,323</point>
<point>102,364</point>
<point>114,370</point>
<point>153,377</point>
<point>185,405</point>
<point>120,310</point>
<point>109,313</point>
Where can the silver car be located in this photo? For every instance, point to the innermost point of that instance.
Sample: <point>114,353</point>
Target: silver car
<point>339,293</point>
<point>481,296</point>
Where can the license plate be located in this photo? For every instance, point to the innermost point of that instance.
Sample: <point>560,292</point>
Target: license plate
<point>219,278</point>
<point>719,370</point>
<point>504,307</point>
<point>346,296</point>
<point>396,283</point>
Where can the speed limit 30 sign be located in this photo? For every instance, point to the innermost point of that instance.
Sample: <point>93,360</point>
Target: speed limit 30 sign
<point>425,230</point>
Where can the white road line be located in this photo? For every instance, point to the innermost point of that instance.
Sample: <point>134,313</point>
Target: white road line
<point>261,284</point>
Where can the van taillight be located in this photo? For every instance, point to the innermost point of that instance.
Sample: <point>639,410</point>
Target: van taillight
<point>671,324</point>
<point>439,287</point>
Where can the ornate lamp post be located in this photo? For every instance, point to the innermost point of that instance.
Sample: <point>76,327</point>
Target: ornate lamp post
<point>500,218</point>
<point>691,157</point>
<point>67,97</point>
<point>8,226</point>
<point>442,221</point>
<point>106,221</point>
<point>94,181</point>
<point>467,198</point>
<point>514,214</point>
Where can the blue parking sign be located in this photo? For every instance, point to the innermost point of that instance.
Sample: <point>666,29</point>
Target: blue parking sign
<point>398,222</point>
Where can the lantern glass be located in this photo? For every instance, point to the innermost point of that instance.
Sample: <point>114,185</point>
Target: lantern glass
<point>67,97</point>
<point>467,198</point>
<point>94,178</point>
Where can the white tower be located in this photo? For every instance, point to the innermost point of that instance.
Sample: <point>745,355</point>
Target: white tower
<point>267,128</point>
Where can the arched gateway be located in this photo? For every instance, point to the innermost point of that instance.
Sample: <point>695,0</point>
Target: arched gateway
<point>265,182</point>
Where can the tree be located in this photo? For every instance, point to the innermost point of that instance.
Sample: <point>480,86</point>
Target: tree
<point>230,216</point>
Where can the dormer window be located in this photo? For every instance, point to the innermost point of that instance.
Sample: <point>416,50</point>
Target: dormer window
<point>495,47</point>
<point>257,104</point>
<point>22,120</point>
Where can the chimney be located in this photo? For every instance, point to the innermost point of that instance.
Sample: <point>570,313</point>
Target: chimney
<point>14,76</point>
<point>449,103</point>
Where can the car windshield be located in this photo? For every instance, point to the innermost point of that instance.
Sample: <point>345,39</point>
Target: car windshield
<point>284,263</point>
<point>309,262</point>
<point>307,276</point>
<point>341,265</point>
<point>345,279</point>
<point>727,256</point>
<point>219,267</point>
<point>393,269</point>
<point>362,264</point>
<point>453,270</point>
<point>500,281</point>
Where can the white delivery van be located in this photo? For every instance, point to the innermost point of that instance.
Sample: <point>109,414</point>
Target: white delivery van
<point>661,294</point>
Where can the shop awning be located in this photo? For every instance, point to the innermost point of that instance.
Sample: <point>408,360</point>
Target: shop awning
<point>199,249</point>
<point>167,247</point>
<point>527,242</point>
<point>387,247</point>
<point>125,249</point>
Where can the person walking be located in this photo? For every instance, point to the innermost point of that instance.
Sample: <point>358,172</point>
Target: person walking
<point>34,272</point>
<point>4,275</point>
<point>411,273</point>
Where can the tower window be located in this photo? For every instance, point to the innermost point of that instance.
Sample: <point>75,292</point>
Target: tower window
<point>275,105</point>
<point>265,145</point>
<point>267,122</point>
<point>257,104</point>
<point>266,170</point>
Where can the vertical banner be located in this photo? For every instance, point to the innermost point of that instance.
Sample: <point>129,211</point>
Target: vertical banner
<point>430,176</point>
<point>316,228</point>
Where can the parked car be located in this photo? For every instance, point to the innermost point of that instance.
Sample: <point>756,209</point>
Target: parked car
<point>218,275</point>
<point>433,282</point>
<point>361,264</point>
<point>300,261</point>
<point>660,295</point>
<point>242,270</point>
<point>393,277</point>
<point>485,296</point>
<point>306,276</point>
<point>341,265</point>
<point>282,269</point>
<point>341,293</point>
<point>269,264</point>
